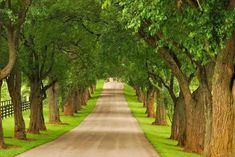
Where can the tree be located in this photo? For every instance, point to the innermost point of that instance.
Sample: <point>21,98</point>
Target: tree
<point>38,56</point>
<point>11,19</point>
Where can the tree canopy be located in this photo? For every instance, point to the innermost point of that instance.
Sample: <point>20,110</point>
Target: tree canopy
<point>180,53</point>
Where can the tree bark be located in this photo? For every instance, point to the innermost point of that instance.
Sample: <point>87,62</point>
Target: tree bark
<point>12,55</point>
<point>78,99</point>
<point>94,87</point>
<point>37,122</point>
<point>41,119</point>
<point>205,98</point>
<point>36,103</point>
<point>222,133</point>
<point>54,116</point>
<point>150,102</point>
<point>160,109</point>
<point>91,89</point>
<point>68,107</point>
<point>178,128</point>
<point>14,88</point>
<point>198,120</point>
<point>83,96</point>
<point>144,101</point>
<point>139,94</point>
<point>75,101</point>
<point>87,94</point>
<point>197,130</point>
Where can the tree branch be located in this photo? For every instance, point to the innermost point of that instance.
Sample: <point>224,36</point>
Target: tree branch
<point>44,58</point>
<point>12,55</point>
<point>90,31</point>
<point>45,88</point>
<point>46,73</point>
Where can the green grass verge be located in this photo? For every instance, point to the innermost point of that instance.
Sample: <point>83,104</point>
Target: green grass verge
<point>158,136</point>
<point>53,132</point>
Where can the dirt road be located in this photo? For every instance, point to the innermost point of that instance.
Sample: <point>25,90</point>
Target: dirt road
<point>109,131</point>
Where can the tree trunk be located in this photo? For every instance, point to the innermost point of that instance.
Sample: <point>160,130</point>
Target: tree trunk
<point>68,107</point>
<point>198,120</point>
<point>41,121</point>
<point>175,124</point>
<point>92,89</point>
<point>196,104</point>
<point>14,88</point>
<point>135,88</point>
<point>36,105</point>
<point>190,103</point>
<point>195,123</point>
<point>63,98</point>
<point>2,143</point>
<point>144,101</point>
<point>6,70</point>
<point>83,97</point>
<point>150,102</point>
<point>178,128</point>
<point>205,97</point>
<point>12,54</point>
<point>75,101</point>
<point>87,95</point>
<point>222,133</point>
<point>160,109</point>
<point>78,99</point>
<point>188,98</point>
<point>139,94</point>
<point>54,115</point>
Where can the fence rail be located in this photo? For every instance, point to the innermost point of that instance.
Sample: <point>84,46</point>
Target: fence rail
<point>7,110</point>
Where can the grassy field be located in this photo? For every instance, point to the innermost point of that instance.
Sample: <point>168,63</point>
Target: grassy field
<point>53,132</point>
<point>157,135</point>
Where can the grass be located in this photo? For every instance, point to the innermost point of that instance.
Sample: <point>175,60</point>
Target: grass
<point>53,132</point>
<point>158,136</point>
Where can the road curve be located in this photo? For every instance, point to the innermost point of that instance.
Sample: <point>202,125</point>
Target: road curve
<point>109,131</point>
